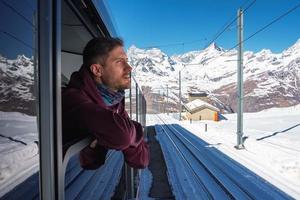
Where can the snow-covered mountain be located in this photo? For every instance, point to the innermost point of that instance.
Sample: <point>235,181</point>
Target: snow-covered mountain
<point>154,61</point>
<point>17,85</point>
<point>270,79</point>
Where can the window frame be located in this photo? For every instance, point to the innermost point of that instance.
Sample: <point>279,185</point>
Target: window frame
<point>49,113</point>
<point>52,164</point>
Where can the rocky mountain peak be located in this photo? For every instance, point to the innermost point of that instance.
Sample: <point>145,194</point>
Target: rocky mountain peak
<point>213,47</point>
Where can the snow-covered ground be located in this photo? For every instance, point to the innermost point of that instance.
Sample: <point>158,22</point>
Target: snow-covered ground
<point>18,155</point>
<point>272,147</point>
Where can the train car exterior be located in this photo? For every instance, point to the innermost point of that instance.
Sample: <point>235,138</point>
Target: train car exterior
<point>42,46</point>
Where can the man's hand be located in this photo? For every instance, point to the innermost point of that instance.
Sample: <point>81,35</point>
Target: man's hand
<point>93,144</point>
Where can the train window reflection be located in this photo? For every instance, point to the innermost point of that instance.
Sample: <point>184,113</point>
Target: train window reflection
<point>19,154</point>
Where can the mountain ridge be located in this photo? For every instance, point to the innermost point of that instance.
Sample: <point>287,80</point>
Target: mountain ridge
<point>270,79</point>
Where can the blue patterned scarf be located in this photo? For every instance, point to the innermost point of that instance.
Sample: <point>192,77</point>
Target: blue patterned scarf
<point>110,97</point>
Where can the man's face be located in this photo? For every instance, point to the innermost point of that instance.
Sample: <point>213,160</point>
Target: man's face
<point>116,70</point>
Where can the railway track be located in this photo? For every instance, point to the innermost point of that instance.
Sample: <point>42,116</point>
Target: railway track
<point>210,175</point>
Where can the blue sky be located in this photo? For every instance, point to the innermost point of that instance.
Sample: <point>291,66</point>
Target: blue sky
<point>16,28</point>
<point>146,23</point>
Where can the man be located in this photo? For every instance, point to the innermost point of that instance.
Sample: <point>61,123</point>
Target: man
<point>93,103</point>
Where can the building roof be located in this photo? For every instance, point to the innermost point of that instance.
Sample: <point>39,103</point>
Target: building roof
<point>198,104</point>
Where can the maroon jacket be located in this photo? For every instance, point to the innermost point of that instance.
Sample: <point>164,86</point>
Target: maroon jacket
<point>85,113</point>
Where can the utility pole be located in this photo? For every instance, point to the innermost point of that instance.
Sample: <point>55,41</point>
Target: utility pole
<point>130,97</point>
<point>167,99</point>
<point>159,103</point>
<point>164,103</point>
<point>240,95</point>
<point>179,95</point>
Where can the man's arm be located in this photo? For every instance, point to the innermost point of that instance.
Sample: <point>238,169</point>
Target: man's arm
<point>137,155</point>
<point>111,129</point>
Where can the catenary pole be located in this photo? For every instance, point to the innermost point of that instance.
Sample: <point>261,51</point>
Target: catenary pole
<point>167,100</point>
<point>240,142</point>
<point>179,95</point>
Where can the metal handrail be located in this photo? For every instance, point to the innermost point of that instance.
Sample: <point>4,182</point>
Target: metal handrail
<point>70,149</point>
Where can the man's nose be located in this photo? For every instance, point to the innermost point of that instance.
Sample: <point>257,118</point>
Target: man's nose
<point>128,67</point>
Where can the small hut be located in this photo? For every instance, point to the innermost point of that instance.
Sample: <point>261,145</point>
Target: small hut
<point>201,110</point>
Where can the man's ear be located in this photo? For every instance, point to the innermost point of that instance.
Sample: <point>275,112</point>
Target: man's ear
<point>96,69</point>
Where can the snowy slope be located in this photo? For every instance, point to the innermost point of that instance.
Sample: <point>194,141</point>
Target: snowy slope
<point>19,154</point>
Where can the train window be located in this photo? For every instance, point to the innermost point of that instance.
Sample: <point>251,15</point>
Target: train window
<point>19,153</point>
<point>75,36</point>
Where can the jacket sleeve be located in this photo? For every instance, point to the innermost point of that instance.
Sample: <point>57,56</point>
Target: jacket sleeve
<point>137,156</point>
<point>111,129</point>
<point>92,158</point>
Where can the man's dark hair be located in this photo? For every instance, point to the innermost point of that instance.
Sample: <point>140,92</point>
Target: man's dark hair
<point>97,50</point>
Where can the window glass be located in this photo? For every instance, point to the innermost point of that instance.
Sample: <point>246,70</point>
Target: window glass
<point>127,101</point>
<point>19,154</point>
<point>133,99</point>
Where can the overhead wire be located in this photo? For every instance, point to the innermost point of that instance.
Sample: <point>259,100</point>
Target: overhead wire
<point>249,37</point>
<point>22,17</point>
<point>16,38</point>
<point>17,12</point>
<point>269,24</point>
<point>255,33</point>
<point>204,39</point>
<point>261,29</point>
<point>173,44</point>
<point>229,24</point>
<point>264,27</point>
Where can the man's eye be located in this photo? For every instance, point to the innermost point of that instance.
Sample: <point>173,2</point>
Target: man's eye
<point>121,61</point>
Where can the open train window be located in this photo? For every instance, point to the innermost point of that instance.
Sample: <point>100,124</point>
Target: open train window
<point>74,36</point>
<point>80,23</point>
